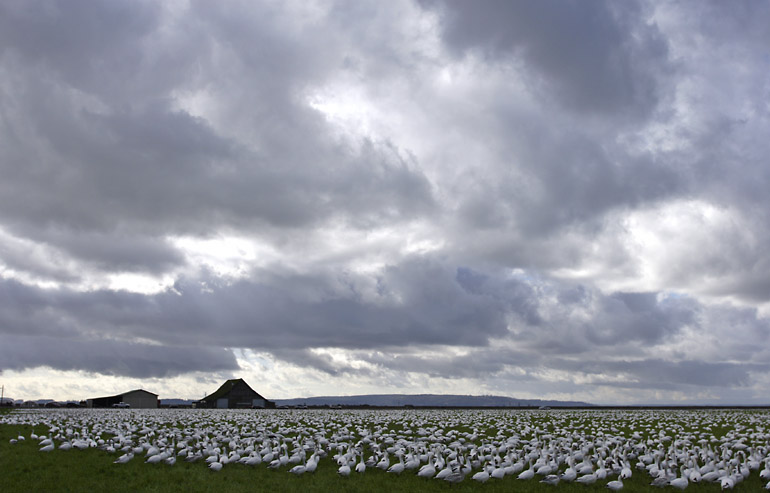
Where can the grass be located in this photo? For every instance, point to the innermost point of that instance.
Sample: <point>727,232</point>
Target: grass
<point>23,469</point>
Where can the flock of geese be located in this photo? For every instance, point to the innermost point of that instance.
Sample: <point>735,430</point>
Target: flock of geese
<point>672,448</point>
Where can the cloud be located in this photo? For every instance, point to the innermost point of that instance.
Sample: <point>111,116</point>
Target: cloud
<point>113,358</point>
<point>595,58</point>
<point>564,199</point>
<point>148,166</point>
<point>418,317</point>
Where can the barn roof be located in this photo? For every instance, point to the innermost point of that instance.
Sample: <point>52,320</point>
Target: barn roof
<point>125,394</point>
<point>226,388</point>
<point>138,390</point>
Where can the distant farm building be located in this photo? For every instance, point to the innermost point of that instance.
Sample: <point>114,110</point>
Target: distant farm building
<point>136,399</point>
<point>234,394</point>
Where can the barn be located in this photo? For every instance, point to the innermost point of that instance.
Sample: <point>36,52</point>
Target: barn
<point>233,394</point>
<point>136,399</point>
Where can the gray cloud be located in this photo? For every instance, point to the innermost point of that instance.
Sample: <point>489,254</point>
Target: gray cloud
<point>419,304</point>
<point>595,58</point>
<point>573,182</point>
<point>478,183</point>
<point>111,357</point>
<point>96,48</point>
<point>661,374</point>
<point>416,302</point>
<point>84,159</point>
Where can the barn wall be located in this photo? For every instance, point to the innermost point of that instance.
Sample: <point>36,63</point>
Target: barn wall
<point>241,396</point>
<point>101,402</point>
<point>258,403</point>
<point>141,400</point>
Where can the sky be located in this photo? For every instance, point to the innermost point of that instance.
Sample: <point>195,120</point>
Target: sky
<point>551,199</point>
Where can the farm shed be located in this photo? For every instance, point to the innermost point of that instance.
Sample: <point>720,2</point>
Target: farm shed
<point>137,399</point>
<point>233,394</point>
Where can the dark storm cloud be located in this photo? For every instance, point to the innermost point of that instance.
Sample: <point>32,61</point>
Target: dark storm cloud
<point>553,176</point>
<point>652,373</point>
<point>108,152</point>
<point>574,181</point>
<point>481,363</point>
<point>112,251</point>
<point>417,302</point>
<point>37,261</point>
<point>111,357</point>
<point>94,46</point>
<point>501,322</point>
<point>589,320</point>
<point>305,358</point>
<point>632,317</point>
<point>596,57</point>
<point>656,373</point>
<point>44,328</point>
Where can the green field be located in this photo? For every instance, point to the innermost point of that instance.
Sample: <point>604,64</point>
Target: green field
<point>24,468</point>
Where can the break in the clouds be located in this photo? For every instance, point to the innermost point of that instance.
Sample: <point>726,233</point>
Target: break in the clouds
<point>535,199</point>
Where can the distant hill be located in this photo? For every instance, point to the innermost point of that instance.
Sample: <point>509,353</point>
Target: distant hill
<point>426,400</point>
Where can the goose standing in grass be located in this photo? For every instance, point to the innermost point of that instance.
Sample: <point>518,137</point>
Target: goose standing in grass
<point>498,472</point>
<point>193,457</point>
<point>253,460</point>
<point>616,485</point>
<point>681,482</point>
<point>601,471</point>
<point>427,471</point>
<point>481,476</point>
<point>727,482</point>
<point>660,481</point>
<point>765,473</point>
<point>552,479</point>
<point>361,466</point>
<point>123,459</point>
<point>298,469</point>
<point>586,467</point>
<point>465,466</point>
<point>283,460</point>
<point>344,471</point>
<point>312,463</point>
<point>275,463</point>
<point>154,459</point>
<point>570,474</point>
<point>456,476</point>
<point>529,473</point>
<point>398,468</point>
<point>587,479</point>
<point>384,463</point>
<point>442,474</point>
<point>514,468</point>
<point>625,471</point>
<point>412,463</point>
